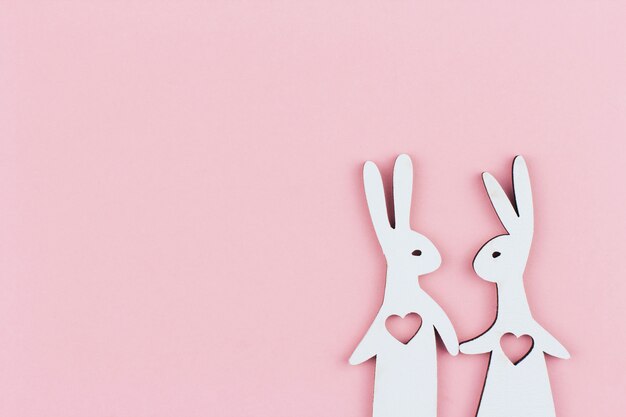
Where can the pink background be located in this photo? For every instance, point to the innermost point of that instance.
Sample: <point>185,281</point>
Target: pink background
<point>183,230</point>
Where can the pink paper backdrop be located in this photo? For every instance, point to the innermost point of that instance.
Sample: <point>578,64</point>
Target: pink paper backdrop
<point>183,230</point>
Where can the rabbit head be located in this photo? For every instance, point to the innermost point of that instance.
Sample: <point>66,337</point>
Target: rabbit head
<point>504,257</point>
<point>404,248</point>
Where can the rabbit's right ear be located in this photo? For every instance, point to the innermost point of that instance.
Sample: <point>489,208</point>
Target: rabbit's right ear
<point>523,192</point>
<point>402,190</point>
<point>501,203</point>
<point>375,195</point>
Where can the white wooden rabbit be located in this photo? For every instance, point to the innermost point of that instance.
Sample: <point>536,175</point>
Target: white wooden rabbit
<point>520,389</point>
<point>406,374</point>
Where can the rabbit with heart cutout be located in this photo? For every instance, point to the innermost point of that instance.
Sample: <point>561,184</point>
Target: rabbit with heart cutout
<point>406,373</point>
<point>520,387</point>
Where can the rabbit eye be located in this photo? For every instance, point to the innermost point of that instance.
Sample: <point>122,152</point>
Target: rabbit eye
<point>416,252</point>
<point>495,254</point>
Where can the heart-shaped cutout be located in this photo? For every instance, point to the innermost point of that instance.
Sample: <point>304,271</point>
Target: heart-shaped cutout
<point>403,328</point>
<point>516,347</point>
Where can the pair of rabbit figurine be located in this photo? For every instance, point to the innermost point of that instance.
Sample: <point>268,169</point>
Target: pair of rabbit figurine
<point>406,373</point>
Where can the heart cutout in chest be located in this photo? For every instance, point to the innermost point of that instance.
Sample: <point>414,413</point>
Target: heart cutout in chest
<point>403,328</point>
<point>516,348</point>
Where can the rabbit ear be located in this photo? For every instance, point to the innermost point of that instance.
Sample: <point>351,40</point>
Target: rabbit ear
<point>522,190</point>
<point>501,203</point>
<point>402,190</point>
<point>375,195</point>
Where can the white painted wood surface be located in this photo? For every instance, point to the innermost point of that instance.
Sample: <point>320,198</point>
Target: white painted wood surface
<point>522,389</point>
<point>406,375</point>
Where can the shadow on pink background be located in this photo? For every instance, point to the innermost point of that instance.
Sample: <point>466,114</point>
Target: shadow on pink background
<point>183,229</point>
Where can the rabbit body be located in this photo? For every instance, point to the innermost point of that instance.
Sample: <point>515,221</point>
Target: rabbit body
<point>406,375</point>
<point>521,390</point>
<point>405,383</point>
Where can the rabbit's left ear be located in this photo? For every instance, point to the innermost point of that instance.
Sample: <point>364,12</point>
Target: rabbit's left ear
<point>501,203</point>
<point>522,190</point>
<point>402,191</point>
